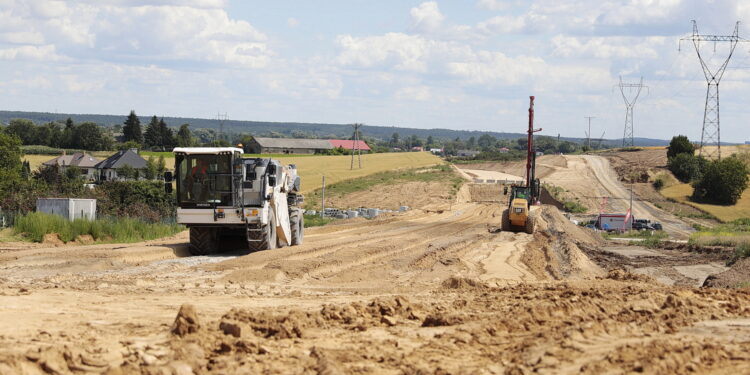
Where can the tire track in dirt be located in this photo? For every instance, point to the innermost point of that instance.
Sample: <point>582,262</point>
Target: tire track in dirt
<point>362,249</point>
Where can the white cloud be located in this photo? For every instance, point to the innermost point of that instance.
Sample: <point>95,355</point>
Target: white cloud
<point>191,31</point>
<point>494,5</point>
<point>609,47</point>
<point>37,53</point>
<point>292,22</point>
<point>427,17</point>
<point>397,50</point>
<point>419,93</point>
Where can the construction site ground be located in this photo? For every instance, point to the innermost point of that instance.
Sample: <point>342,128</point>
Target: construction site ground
<point>437,289</point>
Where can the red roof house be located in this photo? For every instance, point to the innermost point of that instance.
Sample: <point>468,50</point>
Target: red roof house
<point>349,144</point>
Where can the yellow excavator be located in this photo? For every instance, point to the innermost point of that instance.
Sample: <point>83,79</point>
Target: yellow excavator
<point>517,217</point>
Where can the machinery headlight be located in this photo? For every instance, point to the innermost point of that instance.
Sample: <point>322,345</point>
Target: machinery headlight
<point>251,213</point>
<point>519,210</point>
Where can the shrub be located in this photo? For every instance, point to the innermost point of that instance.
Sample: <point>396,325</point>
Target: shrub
<point>680,144</point>
<point>722,182</point>
<point>740,252</point>
<point>36,225</point>
<point>142,199</point>
<point>658,183</point>
<point>687,167</point>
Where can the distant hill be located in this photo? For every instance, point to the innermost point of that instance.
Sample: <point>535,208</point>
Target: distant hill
<point>289,129</point>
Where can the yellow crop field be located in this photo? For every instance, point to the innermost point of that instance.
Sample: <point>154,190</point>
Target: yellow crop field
<point>313,168</point>
<point>336,168</point>
<point>36,160</point>
<point>682,193</point>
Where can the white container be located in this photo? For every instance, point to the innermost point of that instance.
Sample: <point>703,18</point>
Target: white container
<point>68,208</point>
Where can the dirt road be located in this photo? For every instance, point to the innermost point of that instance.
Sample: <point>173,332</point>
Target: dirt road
<point>590,178</point>
<point>419,292</point>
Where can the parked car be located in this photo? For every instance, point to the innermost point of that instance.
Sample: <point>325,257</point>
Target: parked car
<point>656,226</point>
<point>639,225</point>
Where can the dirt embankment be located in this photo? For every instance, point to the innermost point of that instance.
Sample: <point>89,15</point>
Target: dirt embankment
<point>620,323</point>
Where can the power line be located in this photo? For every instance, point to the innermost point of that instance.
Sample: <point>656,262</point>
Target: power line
<point>711,126</point>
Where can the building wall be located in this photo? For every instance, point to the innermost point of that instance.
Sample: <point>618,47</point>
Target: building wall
<point>284,150</point>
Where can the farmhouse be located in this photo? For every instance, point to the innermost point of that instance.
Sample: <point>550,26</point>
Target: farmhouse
<point>85,162</point>
<point>349,144</point>
<point>287,146</point>
<point>108,168</point>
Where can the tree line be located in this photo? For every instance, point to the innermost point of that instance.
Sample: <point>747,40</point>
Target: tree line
<point>157,136</point>
<point>714,181</point>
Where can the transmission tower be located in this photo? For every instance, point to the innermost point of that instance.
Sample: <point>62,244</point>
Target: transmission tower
<point>356,149</point>
<point>627,138</point>
<point>711,131</point>
<point>588,134</point>
<point>221,117</point>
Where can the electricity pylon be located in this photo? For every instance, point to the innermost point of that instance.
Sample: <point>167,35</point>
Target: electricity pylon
<point>711,131</point>
<point>627,137</point>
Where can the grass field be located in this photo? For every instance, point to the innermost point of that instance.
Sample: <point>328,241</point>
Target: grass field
<point>682,193</point>
<point>312,167</point>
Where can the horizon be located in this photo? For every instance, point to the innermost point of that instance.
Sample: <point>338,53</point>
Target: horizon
<point>419,64</point>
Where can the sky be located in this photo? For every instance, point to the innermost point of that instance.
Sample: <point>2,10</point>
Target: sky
<point>468,64</point>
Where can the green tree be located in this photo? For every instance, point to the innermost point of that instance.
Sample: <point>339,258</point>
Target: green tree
<point>67,134</point>
<point>471,143</point>
<point>126,172</point>
<point>430,141</point>
<point>686,166</point>
<point>723,182</point>
<point>90,136</point>
<point>128,145</point>
<point>132,128</point>
<point>25,170</point>
<point>152,138</point>
<point>10,169</point>
<point>151,170</point>
<point>166,136</point>
<point>24,129</point>
<point>679,144</point>
<point>486,141</point>
<point>10,153</point>
<point>395,140</point>
<point>184,139</point>
<point>161,166</point>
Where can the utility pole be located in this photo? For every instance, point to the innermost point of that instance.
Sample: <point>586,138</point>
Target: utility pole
<point>530,152</point>
<point>588,135</point>
<point>711,130</point>
<point>356,149</point>
<point>323,199</point>
<point>627,137</point>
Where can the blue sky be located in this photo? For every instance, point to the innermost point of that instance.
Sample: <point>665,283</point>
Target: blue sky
<point>448,64</point>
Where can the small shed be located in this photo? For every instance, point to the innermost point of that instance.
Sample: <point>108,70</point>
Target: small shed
<point>69,208</point>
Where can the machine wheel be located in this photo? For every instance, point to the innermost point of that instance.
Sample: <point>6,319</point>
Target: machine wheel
<point>267,235</point>
<point>505,225</point>
<point>204,241</point>
<point>530,224</point>
<point>297,224</point>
